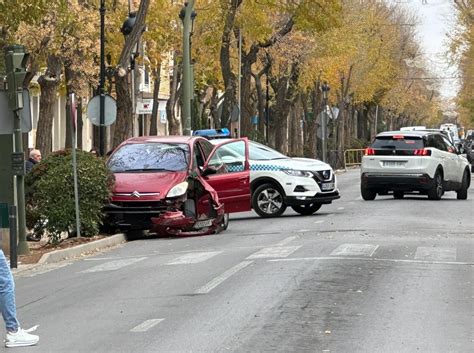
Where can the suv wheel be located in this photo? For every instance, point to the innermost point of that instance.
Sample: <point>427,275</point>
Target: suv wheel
<point>462,192</point>
<point>398,194</point>
<point>367,194</point>
<point>225,221</point>
<point>307,210</point>
<point>436,191</point>
<point>267,201</point>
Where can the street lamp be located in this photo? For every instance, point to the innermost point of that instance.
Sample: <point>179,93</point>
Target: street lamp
<point>187,16</point>
<point>102,80</point>
<point>325,89</point>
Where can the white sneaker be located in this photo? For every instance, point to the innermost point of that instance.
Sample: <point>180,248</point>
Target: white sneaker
<point>21,338</point>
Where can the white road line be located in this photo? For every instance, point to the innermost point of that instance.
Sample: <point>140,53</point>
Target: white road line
<point>114,265</point>
<point>42,269</point>
<point>286,241</point>
<point>194,258</point>
<point>354,250</point>
<point>275,251</point>
<point>318,222</point>
<point>436,254</point>
<point>146,325</point>
<point>221,278</point>
<point>304,230</point>
<point>340,208</point>
<point>369,259</point>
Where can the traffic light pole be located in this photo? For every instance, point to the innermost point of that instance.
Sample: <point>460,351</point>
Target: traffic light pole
<point>23,248</point>
<point>187,74</point>
<point>102,81</point>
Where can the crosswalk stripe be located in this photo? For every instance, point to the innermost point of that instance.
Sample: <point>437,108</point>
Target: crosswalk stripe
<point>146,325</point>
<point>286,241</point>
<point>275,251</point>
<point>194,258</point>
<point>435,254</point>
<point>114,265</point>
<point>354,250</point>
<point>221,278</point>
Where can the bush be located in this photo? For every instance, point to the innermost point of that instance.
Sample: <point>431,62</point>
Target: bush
<point>50,205</point>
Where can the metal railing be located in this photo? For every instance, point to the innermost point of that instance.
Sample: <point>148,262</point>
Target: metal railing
<point>353,157</point>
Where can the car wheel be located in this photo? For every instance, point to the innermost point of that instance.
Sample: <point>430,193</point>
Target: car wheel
<point>308,209</point>
<point>436,191</point>
<point>267,201</point>
<point>398,194</point>
<point>367,194</point>
<point>462,192</point>
<point>225,221</point>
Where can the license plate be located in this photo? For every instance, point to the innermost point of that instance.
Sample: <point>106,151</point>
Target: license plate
<point>202,224</point>
<point>394,163</point>
<point>327,186</point>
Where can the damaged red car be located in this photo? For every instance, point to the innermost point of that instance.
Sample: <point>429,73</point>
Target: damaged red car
<point>177,185</point>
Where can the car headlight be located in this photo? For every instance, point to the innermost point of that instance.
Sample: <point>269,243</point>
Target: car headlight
<point>178,190</point>
<point>297,173</point>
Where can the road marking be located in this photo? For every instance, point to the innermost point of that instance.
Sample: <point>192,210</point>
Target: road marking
<point>304,230</point>
<point>354,250</point>
<point>146,325</point>
<point>318,222</point>
<point>275,251</point>
<point>369,259</point>
<point>435,254</point>
<point>359,198</point>
<point>194,258</point>
<point>41,270</point>
<point>114,265</point>
<point>340,208</point>
<point>286,241</point>
<point>221,278</point>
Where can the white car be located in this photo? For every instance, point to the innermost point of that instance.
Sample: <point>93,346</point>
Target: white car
<point>278,181</point>
<point>414,161</point>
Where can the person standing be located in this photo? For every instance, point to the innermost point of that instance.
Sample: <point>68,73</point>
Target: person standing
<point>15,336</point>
<point>35,157</point>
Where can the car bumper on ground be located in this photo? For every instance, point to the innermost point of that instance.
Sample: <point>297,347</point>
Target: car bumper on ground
<point>322,198</point>
<point>402,182</point>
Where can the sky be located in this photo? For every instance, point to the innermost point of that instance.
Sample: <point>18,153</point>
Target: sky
<point>436,19</point>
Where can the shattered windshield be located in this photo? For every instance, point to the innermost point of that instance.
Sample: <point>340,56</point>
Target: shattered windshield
<point>152,156</point>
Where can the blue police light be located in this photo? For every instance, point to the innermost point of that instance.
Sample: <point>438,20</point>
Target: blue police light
<point>212,133</point>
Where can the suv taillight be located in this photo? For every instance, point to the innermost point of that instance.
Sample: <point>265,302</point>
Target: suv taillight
<point>369,151</point>
<point>422,152</point>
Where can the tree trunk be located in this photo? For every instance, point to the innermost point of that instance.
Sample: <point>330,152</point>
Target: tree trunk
<point>48,83</point>
<point>156,102</point>
<point>123,124</point>
<point>174,127</point>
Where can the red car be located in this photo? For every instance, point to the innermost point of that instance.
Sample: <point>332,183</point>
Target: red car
<point>177,185</point>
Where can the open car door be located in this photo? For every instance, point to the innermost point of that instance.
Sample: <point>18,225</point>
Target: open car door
<point>227,170</point>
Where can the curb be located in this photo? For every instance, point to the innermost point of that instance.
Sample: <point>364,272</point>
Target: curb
<point>59,255</point>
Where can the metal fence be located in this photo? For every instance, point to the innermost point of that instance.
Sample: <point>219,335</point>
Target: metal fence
<point>353,157</point>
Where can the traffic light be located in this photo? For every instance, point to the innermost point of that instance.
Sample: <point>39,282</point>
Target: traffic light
<point>15,65</point>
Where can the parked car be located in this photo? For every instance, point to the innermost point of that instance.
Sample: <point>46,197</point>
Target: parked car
<point>414,161</point>
<point>278,181</point>
<point>176,185</point>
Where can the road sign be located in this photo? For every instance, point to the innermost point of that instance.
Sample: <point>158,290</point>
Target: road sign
<point>6,114</point>
<point>18,163</point>
<point>110,108</point>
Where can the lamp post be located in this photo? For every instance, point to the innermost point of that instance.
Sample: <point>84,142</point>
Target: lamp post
<point>187,16</point>
<point>102,80</point>
<point>325,89</point>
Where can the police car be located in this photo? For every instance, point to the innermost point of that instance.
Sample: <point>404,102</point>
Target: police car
<point>279,181</point>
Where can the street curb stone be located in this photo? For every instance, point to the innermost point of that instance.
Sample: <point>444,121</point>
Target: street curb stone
<point>59,255</point>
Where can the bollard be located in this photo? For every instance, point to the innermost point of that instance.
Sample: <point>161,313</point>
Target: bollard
<point>13,237</point>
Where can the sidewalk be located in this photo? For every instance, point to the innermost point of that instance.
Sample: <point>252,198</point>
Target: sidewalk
<point>73,252</point>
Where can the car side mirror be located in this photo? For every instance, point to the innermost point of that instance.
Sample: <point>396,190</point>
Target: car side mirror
<point>208,171</point>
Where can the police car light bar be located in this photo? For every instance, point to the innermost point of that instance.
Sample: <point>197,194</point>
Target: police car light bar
<point>212,133</point>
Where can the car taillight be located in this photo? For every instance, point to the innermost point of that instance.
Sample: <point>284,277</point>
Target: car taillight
<point>369,151</point>
<point>398,137</point>
<point>422,152</point>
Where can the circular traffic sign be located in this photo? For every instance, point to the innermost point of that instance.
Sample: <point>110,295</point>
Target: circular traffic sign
<point>110,110</point>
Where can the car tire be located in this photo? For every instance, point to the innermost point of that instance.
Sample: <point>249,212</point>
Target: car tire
<point>436,191</point>
<point>398,195</point>
<point>307,210</point>
<point>367,194</point>
<point>225,221</point>
<point>462,192</point>
<point>267,201</point>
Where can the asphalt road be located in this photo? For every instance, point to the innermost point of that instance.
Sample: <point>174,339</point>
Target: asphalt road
<point>381,276</point>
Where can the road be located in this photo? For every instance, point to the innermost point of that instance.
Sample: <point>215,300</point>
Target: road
<point>381,276</point>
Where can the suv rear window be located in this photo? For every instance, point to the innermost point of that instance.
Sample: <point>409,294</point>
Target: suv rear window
<point>398,143</point>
